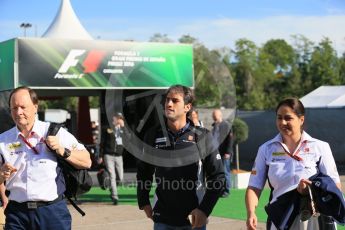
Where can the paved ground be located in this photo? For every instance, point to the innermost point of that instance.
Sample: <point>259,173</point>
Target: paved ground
<point>104,216</point>
<point>126,217</point>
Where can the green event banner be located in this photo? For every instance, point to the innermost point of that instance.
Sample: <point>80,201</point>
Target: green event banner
<point>52,63</point>
<point>7,65</point>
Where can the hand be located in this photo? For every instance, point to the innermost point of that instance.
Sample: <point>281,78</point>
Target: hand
<point>199,218</point>
<point>196,122</point>
<point>252,221</point>
<point>6,171</point>
<point>121,123</point>
<point>226,156</point>
<point>302,186</point>
<point>54,144</point>
<point>4,201</point>
<point>148,211</point>
<point>100,160</point>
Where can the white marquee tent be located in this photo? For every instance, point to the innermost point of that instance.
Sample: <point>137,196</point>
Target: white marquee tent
<point>325,97</point>
<point>66,24</point>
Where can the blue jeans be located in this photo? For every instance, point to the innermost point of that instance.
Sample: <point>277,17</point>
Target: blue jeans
<point>161,226</point>
<point>226,164</point>
<point>53,217</point>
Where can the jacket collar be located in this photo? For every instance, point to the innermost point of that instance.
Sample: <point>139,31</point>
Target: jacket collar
<point>278,138</point>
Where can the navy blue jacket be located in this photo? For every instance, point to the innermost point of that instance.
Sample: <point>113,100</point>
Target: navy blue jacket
<point>328,199</point>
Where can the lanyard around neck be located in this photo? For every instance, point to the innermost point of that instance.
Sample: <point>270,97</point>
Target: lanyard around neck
<point>28,143</point>
<point>295,154</point>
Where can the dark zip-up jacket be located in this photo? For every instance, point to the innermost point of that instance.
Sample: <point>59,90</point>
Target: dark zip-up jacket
<point>108,142</point>
<point>225,140</point>
<point>177,192</point>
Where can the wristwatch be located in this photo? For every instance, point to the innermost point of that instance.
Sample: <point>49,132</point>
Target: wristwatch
<point>66,153</point>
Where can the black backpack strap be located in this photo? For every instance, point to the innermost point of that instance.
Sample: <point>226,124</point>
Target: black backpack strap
<point>75,206</point>
<point>52,131</point>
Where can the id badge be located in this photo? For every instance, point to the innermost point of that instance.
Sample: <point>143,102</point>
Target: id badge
<point>118,141</point>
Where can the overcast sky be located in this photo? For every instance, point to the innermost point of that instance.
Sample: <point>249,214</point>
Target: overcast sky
<point>216,23</point>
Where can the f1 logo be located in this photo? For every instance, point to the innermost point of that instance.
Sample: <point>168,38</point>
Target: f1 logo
<point>71,60</point>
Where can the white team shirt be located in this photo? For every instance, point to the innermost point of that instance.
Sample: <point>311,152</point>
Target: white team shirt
<point>283,172</point>
<point>36,178</point>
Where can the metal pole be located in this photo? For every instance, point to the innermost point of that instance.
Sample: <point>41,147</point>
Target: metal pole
<point>237,159</point>
<point>25,26</point>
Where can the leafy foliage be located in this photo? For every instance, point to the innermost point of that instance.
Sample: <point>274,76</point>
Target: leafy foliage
<point>251,77</point>
<point>67,103</point>
<point>240,129</point>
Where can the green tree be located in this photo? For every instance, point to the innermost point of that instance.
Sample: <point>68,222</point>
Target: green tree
<point>277,62</point>
<point>206,88</point>
<point>158,37</point>
<point>187,39</point>
<point>246,64</point>
<point>342,69</point>
<point>226,79</point>
<point>324,65</point>
<point>303,49</point>
<point>280,54</point>
<point>94,102</point>
<point>240,130</point>
<point>263,75</point>
<point>267,82</point>
<point>213,83</point>
<point>67,103</point>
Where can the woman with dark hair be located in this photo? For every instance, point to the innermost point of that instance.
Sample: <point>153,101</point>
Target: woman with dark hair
<point>288,161</point>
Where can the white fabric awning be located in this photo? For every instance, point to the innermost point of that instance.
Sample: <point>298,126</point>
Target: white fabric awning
<point>325,97</point>
<point>66,25</point>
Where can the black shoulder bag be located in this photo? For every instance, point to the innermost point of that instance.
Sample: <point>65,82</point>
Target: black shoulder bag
<point>77,181</point>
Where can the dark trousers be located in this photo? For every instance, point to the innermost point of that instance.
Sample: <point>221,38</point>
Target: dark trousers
<point>227,172</point>
<point>51,217</point>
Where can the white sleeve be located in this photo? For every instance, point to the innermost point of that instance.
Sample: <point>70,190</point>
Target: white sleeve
<point>67,140</point>
<point>327,164</point>
<point>259,171</point>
